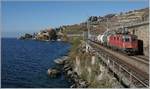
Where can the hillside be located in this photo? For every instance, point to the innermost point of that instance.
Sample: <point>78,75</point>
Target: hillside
<point>99,24</point>
<point>74,29</point>
<point>112,21</point>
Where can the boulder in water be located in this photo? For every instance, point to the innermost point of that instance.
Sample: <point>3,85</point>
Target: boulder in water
<point>53,72</point>
<point>61,61</point>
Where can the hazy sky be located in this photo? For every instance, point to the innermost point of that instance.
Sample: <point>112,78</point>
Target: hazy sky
<point>32,16</point>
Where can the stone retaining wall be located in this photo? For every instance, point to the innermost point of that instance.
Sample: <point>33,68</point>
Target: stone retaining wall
<point>142,31</point>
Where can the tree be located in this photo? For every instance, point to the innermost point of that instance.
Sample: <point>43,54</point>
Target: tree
<point>52,35</point>
<point>28,35</point>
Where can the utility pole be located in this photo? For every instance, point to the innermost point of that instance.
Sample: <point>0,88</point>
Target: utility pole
<point>88,27</point>
<point>88,36</point>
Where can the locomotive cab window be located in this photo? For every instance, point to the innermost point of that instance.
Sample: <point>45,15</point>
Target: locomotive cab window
<point>134,38</point>
<point>126,39</point>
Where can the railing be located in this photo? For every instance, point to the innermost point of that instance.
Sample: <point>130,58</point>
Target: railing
<point>74,35</point>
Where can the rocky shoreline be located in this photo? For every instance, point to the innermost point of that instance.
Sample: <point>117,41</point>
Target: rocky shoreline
<point>70,74</point>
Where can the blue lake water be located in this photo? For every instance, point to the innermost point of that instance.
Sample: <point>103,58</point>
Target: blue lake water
<point>24,63</point>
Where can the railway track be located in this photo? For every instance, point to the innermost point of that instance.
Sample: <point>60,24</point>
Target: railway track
<point>130,63</point>
<point>143,57</point>
<point>140,59</point>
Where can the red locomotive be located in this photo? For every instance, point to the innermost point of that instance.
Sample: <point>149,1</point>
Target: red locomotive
<point>127,43</point>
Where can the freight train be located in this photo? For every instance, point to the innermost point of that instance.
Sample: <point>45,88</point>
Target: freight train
<point>124,42</point>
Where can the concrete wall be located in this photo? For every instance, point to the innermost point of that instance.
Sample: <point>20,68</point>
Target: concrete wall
<point>142,31</point>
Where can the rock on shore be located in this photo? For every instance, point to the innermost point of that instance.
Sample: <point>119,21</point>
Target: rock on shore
<point>70,74</point>
<point>61,60</point>
<point>53,72</point>
<point>73,76</point>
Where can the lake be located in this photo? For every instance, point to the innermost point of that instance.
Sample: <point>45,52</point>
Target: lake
<point>24,63</point>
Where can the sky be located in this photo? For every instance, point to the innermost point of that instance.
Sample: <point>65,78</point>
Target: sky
<point>19,17</point>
